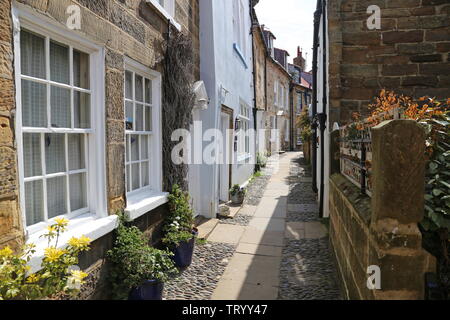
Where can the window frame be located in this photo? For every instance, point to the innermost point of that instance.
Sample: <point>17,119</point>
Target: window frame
<point>243,137</point>
<point>94,151</point>
<point>155,147</point>
<point>168,12</point>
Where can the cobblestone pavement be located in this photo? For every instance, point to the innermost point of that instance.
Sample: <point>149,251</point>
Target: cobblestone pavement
<point>307,269</point>
<point>198,281</point>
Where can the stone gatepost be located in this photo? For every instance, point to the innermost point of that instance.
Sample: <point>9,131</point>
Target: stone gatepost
<point>395,244</point>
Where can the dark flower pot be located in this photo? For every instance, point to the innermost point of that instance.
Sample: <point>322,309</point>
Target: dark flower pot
<point>237,198</point>
<point>149,290</point>
<point>183,253</point>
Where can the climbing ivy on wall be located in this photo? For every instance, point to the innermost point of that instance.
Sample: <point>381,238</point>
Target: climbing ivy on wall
<point>177,102</point>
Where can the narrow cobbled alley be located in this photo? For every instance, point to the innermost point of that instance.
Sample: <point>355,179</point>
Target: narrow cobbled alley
<point>274,247</point>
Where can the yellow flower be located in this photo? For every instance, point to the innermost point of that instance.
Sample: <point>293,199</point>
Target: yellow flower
<point>78,275</point>
<point>53,254</point>
<point>33,278</point>
<point>61,222</point>
<point>79,242</point>
<point>6,252</point>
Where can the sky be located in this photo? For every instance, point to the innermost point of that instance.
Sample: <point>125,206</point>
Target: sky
<point>292,23</point>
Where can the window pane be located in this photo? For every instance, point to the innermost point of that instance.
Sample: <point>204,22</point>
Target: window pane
<point>139,95</point>
<point>82,109</point>
<point>80,69</point>
<point>127,152</point>
<point>128,177</point>
<point>59,63</point>
<point>144,147</point>
<point>145,174</point>
<point>60,107</point>
<point>129,115</point>
<point>134,148</point>
<point>139,117</point>
<point>148,118</point>
<point>55,159</point>
<point>34,104</point>
<point>32,55</point>
<point>34,204</point>
<point>32,154</point>
<point>148,91</point>
<point>135,173</point>
<point>77,191</point>
<point>76,152</point>
<point>128,85</point>
<point>56,196</point>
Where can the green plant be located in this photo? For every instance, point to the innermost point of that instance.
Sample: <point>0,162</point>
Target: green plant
<point>304,124</point>
<point>134,261</point>
<point>437,197</point>
<point>180,220</point>
<point>58,273</point>
<point>236,189</point>
<point>201,241</point>
<point>261,160</point>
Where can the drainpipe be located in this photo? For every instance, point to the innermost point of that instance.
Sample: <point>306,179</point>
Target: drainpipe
<point>322,117</point>
<point>314,97</point>
<point>255,107</point>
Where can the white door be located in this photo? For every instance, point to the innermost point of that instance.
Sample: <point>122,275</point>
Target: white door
<point>224,155</point>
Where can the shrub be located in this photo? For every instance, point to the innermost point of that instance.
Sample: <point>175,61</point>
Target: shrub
<point>134,261</point>
<point>178,224</point>
<point>236,189</point>
<point>304,124</point>
<point>58,273</point>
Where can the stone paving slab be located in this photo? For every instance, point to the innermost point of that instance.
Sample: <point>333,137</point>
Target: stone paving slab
<point>248,210</point>
<point>226,233</point>
<point>255,236</point>
<point>259,249</point>
<point>206,227</point>
<point>295,230</point>
<point>272,208</point>
<point>267,224</point>
<point>253,269</point>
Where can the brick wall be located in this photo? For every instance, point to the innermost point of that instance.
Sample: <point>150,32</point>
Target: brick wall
<point>410,54</point>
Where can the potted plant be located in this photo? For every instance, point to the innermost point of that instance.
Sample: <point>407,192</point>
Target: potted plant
<point>178,228</point>
<point>58,276</point>
<point>237,194</point>
<point>261,161</point>
<point>138,270</point>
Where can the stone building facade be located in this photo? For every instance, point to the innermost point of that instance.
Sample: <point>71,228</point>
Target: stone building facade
<point>103,75</point>
<point>272,91</point>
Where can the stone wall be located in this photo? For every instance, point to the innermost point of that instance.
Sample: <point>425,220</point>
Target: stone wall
<point>276,72</point>
<point>11,232</point>
<point>383,230</point>
<point>260,54</point>
<point>410,54</point>
<point>129,28</point>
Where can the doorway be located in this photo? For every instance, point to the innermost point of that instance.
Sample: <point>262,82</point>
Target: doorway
<point>225,153</point>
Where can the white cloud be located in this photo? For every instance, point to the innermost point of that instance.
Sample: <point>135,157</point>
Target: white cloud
<point>292,23</point>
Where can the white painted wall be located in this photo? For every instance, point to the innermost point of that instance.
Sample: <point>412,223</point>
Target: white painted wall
<point>320,109</point>
<point>221,67</point>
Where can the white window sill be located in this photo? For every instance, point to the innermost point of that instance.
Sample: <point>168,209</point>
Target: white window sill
<point>86,225</point>
<point>244,157</point>
<point>144,201</point>
<point>164,13</point>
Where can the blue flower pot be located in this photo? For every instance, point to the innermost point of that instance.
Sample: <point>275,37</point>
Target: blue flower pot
<point>183,253</point>
<point>149,290</point>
